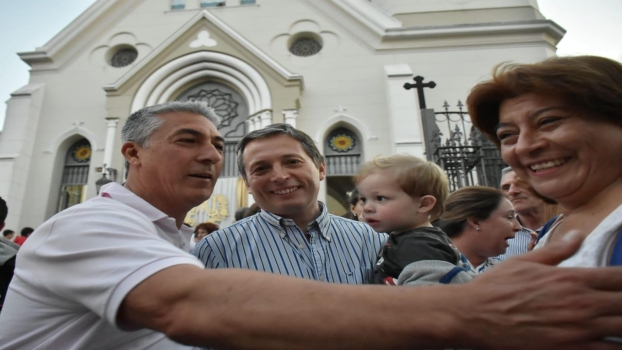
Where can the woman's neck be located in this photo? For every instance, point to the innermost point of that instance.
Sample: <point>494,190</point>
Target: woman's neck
<point>469,252</point>
<point>586,216</point>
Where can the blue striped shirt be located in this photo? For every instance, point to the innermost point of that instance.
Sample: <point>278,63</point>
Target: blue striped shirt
<point>517,245</point>
<point>339,250</point>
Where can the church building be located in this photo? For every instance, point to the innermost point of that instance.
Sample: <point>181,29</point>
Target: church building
<point>335,69</point>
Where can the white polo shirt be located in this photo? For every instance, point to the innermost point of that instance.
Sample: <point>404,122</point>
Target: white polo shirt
<point>75,270</point>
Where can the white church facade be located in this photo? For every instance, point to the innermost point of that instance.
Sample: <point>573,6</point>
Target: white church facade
<point>335,69</point>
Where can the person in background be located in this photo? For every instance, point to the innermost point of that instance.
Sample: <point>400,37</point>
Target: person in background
<point>8,253</point>
<point>401,194</point>
<point>480,221</point>
<point>8,234</point>
<point>23,235</point>
<point>558,124</point>
<point>201,231</point>
<point>532,212</point>
<point>355,204</point>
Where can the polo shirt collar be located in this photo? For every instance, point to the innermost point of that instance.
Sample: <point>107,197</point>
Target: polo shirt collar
<point>122,194</point>
<point>322,221</point>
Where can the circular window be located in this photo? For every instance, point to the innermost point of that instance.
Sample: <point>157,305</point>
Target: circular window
<point>305,47</point>
<point>124,57</point>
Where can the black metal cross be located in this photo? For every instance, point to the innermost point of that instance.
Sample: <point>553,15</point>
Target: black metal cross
<point>419,85</point>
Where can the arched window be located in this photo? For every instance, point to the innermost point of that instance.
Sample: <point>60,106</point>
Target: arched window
<point>342,150</point>
<point>232,109</point>
<point>75,174</point>
<point>343,155</point>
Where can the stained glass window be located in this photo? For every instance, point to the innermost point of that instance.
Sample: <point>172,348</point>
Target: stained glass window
<point>75,174</point>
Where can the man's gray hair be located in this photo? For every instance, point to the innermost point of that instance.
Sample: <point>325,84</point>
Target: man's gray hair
<point>505,171</point>
<point>280,129</point>
<point>142,123</point>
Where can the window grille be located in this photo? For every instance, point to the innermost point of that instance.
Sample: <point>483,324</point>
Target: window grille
<point>305,47</point>
<point>124,57</point>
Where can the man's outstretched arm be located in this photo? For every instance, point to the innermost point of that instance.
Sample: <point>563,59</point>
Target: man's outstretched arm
<point>523,303</point>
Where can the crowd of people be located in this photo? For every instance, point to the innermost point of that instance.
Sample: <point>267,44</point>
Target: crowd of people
<point>115,272</point>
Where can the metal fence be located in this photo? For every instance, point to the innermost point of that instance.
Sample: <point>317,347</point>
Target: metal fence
<point>465,154</point>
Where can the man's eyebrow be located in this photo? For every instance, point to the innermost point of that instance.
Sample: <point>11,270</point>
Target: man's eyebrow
<point>218,138</point>
<point>531,116</point>
<point>197,133</point>
<point>188,131</point>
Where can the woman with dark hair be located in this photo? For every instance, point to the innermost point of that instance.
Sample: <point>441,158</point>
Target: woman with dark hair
<point>356,206</point>
<point>201,231</point>
<point>204,229</point>
<point>558,124</point>
<point>479,221</point>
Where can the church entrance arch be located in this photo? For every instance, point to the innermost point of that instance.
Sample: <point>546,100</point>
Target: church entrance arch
<point>237,91</point>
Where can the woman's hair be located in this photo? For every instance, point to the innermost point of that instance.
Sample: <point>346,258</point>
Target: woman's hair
<point>415,176</point>
<point>475,202</point>
<point>588,84</point>
<point>354,197</point>
<point>207,226</point>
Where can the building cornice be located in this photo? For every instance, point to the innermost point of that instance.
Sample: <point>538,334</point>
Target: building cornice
<point>381,32</point>
<point>45,53</point>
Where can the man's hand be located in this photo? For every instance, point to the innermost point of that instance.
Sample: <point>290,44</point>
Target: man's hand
<point>525,304</point>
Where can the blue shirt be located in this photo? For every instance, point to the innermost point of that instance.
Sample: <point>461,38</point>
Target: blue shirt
<point>339,250</point>
<point>517,245</point>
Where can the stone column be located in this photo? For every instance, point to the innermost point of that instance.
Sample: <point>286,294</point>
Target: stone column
<point>289,116</point>
<point>266,118</point>
<point>110,135</point>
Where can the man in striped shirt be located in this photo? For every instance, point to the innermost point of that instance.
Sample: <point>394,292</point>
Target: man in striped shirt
<point>294,234</point>
<point>529,212</point>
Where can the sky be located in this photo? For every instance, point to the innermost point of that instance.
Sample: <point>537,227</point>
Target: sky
<point>592,27</point>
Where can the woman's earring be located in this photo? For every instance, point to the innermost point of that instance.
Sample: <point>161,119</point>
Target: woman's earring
<point>477,227</point>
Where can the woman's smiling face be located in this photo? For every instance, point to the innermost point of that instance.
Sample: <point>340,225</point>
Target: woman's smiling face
<point>564,154</point>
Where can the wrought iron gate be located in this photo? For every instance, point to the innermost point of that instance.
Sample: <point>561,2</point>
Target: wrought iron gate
<point>452,142</point>
<point>466,155</point>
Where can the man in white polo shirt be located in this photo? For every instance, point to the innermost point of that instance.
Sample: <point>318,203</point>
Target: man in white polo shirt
<point>113,273</point>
